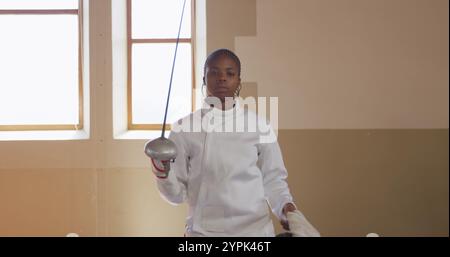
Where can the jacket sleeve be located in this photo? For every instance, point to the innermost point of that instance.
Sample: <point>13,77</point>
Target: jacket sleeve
<point>270,161</point>
<point>173,188</point>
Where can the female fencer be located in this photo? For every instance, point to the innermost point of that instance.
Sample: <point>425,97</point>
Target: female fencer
<point>228,177</point>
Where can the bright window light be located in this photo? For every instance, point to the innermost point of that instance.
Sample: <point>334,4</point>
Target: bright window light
<point>38,4</point>
<point>151,74</point>
<point>160,18</point>
<point>152,41</point>
<point>39,68</point>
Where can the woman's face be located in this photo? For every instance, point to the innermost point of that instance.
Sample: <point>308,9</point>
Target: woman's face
<point>222,77</point>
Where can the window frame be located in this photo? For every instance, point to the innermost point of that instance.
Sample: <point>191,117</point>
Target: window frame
<point>130,42</point>
<point>79,13</point>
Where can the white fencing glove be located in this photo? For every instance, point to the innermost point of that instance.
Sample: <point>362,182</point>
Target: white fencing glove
<point>160,168</point>
<point>299,226</point>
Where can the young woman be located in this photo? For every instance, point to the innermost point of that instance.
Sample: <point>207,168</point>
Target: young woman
<point>228,176</point>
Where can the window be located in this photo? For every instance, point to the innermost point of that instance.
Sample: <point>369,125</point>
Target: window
<point>152,29</point>
<point>41,85</point>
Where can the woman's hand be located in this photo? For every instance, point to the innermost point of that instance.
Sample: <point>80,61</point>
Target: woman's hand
<point>289,207</point>
<point>160,168</point>
<point>296,223</point>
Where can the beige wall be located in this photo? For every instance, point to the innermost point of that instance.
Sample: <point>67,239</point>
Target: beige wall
<point>351,63</point>
<point>348,182</point>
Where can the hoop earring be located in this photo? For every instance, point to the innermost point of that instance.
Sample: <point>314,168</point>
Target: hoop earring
<point>238,91</point>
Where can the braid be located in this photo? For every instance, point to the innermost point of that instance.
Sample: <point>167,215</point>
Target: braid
<point>222,52</point>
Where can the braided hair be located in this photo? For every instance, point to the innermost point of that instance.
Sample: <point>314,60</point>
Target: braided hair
<point>219,53</point>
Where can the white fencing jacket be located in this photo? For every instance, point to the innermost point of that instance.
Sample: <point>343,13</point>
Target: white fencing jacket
<point>227,178</point>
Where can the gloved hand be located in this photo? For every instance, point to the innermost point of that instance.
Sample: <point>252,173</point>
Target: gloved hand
<point>160,168</point>
<point>299,226</point>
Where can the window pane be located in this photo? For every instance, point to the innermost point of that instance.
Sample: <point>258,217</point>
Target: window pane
<point>152,64</point>
<point>38,4</point>
<point>39,69</point>
<point>160,18</point>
